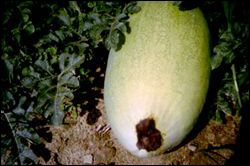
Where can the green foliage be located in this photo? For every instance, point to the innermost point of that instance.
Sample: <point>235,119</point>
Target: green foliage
<point>230,68</point>
<point>23,134</point>
<point>44,49</point>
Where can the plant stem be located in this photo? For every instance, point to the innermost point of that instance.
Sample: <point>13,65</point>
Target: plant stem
<point>236,84</point>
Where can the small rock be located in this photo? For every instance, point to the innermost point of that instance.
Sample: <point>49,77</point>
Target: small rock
<point>88,159</point>
<point>191,147</point>
<point>98,70</point>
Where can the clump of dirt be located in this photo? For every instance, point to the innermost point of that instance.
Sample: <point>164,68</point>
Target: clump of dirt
<point>95,144</point>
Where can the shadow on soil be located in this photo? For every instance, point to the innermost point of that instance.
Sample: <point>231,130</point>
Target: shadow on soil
<point>92,85</point>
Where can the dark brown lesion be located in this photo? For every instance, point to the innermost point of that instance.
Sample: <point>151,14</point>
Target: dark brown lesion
<point>149,138</point>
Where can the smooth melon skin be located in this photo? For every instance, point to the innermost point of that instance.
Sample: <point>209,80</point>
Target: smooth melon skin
<point>160,75</point>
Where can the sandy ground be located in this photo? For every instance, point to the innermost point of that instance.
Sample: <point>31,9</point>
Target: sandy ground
<point>82,143</point>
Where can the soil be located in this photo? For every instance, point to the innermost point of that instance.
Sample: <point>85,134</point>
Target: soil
<point>81,143</point>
